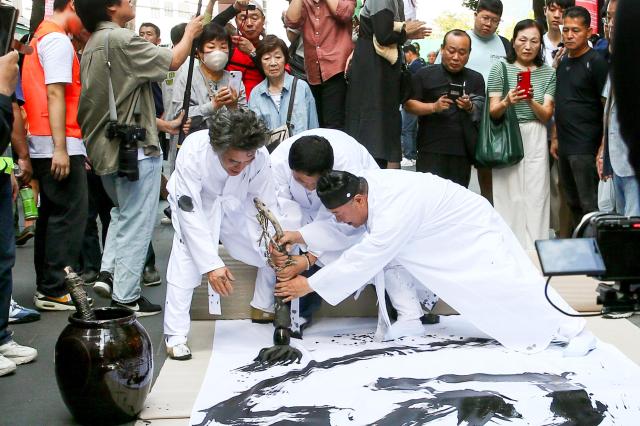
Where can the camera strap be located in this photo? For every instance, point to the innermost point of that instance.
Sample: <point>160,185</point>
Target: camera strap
<point>113,112</point>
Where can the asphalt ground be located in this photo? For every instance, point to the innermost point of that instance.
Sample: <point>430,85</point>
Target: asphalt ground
<point>30,396</point>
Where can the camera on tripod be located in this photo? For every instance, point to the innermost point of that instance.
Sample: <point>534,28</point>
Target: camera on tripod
<point>129,136</point>
<point>604,246</point>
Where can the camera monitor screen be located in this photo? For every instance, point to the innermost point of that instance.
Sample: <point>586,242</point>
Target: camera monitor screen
<point>572,256</point>
<point>8,21</point>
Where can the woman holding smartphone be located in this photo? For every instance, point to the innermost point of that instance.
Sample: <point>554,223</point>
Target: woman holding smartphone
<point>271,98</point>
<point>213,89</point>
<point>521,192</point>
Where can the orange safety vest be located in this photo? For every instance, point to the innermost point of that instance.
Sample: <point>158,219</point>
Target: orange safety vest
<point>35,90</point>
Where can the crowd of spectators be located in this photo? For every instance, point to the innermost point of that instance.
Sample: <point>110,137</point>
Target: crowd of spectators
<point>350,66</point>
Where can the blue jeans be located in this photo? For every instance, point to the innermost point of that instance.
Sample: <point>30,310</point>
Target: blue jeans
<point>409,134</point>
<point>7,255</point>
<point>627,195</point>
<point>131,227</point>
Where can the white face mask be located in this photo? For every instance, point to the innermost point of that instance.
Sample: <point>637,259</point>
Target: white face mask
<point>215,60</point>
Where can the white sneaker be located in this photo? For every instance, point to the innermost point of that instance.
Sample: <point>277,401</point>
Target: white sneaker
<point>179,352</point>
<point>407,162</point>
<point>6,366</point>
<point>17,353</point>
<point>165,221</point>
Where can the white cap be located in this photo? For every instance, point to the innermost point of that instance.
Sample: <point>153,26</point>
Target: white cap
<point>257,4</point>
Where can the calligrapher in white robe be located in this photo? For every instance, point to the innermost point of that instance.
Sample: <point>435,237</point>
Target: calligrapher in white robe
<point>299,206</point>
<point>207,206</point>
<point>454,241</point>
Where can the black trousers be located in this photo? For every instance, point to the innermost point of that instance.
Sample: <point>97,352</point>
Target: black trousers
<point>62,218</point>
<point>330,99</point>
<point>456,168</point>
<point>100,206</point>
<point>579,180</point>
<point>382,163</point>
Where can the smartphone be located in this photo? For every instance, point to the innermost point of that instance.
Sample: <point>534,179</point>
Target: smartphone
<point>555,51</point>
<point>8,21</point>
<point>524,82</point>
<point>234,81</point>
<point>455,91</point>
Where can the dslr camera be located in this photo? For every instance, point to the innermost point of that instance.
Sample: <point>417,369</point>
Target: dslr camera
<point>129,136</point>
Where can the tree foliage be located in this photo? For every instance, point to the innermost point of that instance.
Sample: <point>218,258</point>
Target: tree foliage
<point>450,21</point>
<point>471,4</point>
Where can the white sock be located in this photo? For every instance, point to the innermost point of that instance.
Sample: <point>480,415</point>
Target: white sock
<point>404,328</point>
<point>172,341</point>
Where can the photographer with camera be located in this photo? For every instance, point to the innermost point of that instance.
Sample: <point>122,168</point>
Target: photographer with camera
<point>448,99</point>
<point>118,120</point>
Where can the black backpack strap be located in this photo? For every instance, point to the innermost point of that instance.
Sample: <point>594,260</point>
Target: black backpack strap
<point>507,45</point>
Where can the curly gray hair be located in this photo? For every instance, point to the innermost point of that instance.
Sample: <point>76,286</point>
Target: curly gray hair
<point>237,129</point>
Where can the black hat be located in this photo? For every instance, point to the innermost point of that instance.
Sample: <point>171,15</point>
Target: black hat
<point>336,188</point>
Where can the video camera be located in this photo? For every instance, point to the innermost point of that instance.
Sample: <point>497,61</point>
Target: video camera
<point>129,136</point>
<point>604,246</point>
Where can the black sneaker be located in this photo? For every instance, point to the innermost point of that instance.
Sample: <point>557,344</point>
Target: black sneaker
<point>142,307</point>
<point>104,284</point>
<point>151,276</point>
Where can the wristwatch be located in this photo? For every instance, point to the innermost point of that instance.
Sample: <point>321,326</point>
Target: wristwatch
<point>253,54</point>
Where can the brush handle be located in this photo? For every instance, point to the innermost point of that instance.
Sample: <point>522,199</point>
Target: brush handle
<point>75,285</point>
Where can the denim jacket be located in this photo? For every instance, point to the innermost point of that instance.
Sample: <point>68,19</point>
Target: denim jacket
<point>303,117</point>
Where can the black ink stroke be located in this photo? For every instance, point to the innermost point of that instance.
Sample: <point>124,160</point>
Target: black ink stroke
<point>238,410</point>
<point>570,403</point>
<point>472,407</point>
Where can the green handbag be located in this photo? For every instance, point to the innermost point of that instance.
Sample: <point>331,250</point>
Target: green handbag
<point>499,142</point>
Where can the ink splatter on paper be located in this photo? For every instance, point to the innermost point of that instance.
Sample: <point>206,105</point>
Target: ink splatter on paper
<point>452,375</point>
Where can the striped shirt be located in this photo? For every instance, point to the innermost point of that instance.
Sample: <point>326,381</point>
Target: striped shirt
<point>543,81</point>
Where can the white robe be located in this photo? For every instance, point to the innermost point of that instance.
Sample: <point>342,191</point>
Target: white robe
<point>223,210</point>
<point>454,241</point>
<point>298,206</point>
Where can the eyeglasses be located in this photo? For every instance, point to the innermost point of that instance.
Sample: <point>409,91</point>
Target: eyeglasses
<point>488,20</point>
